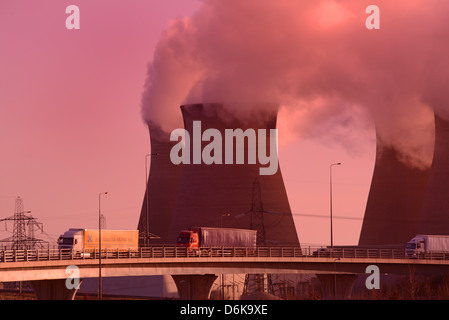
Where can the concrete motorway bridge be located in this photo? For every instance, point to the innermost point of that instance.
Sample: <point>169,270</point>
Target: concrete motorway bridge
<point>194,275</point>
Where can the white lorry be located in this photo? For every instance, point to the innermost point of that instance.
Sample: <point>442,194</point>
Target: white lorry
<point>83,242</point>
<point>422,246</point>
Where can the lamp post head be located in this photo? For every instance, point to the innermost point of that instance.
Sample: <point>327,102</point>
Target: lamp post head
<point>336,164</point>
<point>151,154</point>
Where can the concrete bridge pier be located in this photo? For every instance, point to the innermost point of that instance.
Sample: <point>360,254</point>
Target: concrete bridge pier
<point>194,286</point>
<point>336,286</point>
<point>54,289</point>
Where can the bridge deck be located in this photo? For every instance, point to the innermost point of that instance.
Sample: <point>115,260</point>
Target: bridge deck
<point>22,266</point>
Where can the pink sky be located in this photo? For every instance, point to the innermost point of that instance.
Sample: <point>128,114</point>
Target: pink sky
<point>71,125</point>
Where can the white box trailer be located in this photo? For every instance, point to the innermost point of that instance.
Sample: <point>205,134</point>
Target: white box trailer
<point>421,245</point>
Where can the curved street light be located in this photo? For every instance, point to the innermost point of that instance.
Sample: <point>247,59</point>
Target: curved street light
<point>146,195</point>
<point>330,180</point>
<point>100,291</point>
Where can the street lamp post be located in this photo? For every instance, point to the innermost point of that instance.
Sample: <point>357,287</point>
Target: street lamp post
<point>146,195</point>
<point>330,175</point>
<point>222,275</point>
<point>100,290</point>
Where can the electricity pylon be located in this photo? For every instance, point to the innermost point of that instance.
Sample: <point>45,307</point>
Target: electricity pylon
<point>23,229</point>
<point>256,282</point>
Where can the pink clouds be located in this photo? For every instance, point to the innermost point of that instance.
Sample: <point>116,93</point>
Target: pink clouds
<point>314,56</point>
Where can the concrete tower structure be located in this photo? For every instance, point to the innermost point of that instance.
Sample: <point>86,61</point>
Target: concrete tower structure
<point>221,194</point>
<point>395,200</point>
<point>157,212</point>
<point>162,186</point>
<point>435,213</point>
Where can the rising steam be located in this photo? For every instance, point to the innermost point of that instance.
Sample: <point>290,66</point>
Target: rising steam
<point>317,60</point>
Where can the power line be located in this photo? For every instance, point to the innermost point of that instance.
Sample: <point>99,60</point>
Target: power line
<point>326,216</point>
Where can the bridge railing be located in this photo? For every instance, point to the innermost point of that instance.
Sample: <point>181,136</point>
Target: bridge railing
<point>182,252</point>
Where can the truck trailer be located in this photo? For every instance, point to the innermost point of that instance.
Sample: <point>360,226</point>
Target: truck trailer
<point>426,245</point>
<point>86,241</point>
<point>207,237</point>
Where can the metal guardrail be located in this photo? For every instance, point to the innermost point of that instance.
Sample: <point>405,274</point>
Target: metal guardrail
<point>181,252</point>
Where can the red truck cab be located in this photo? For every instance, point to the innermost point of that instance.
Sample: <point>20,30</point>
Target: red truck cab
<point>189,239</point>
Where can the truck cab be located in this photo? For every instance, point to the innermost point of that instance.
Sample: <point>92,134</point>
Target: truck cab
<point>189,239</point>
<point>71,240</point>
<point>415,247</point>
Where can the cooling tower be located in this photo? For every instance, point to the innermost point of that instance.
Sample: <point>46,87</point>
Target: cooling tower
<point>161,189</point>
<point>394,202</point>
<point>435,213</point>
<point>217,195</point>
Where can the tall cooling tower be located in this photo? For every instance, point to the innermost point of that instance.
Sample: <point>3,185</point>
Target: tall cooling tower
<point>435,214</point>
<point>221,194</point>
<point>395,200</point>
<point>161,189</point>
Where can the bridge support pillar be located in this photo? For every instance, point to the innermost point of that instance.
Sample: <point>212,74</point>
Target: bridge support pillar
<point>53,290</point>
<point>194,287</point>
<point>336,286</point>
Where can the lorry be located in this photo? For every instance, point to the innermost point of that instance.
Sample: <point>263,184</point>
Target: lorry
<point>83,242</point>
<point>203,238</point>
<point>427,245</point>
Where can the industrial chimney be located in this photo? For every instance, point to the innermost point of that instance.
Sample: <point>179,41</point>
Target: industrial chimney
<point>395,200</point>
<point>221,195</point>
<point>435,213</point>
<point>161,191</point>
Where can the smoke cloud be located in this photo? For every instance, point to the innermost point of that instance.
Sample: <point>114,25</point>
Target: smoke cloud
<point>329,74</point>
